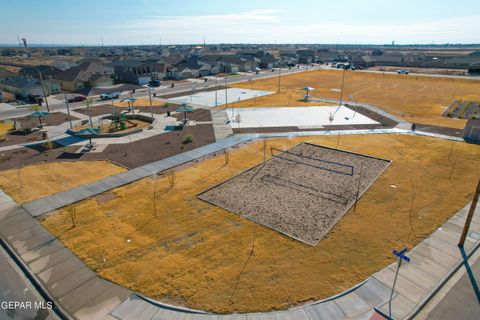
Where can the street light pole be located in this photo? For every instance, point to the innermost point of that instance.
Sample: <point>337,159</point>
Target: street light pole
<point>44,91</point>
<point>226,98</point>
<point>89,113</point>
<point>68,111</point>
<point>279,77</point>
<point>216,91</point>
<point>150,98</point>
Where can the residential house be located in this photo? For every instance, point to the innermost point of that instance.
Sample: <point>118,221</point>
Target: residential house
<point>85,75</point>
<point>24,86</point>
<point>47,72</point>
<point>268,61</point>
<point>306,56</point>
<point>64,64</point>
<point>134,71</point>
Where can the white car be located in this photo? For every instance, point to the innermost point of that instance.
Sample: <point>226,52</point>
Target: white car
<point>402,71</point>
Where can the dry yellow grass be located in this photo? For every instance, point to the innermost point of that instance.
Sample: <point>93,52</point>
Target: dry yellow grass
<point>40,180</point>
<point>196,254</point>
<point>5,127</point>
<point>415,98</point>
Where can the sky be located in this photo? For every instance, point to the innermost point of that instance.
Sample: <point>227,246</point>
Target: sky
<point>239,21</point>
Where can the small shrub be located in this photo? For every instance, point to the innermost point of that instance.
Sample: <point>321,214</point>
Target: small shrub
<point>166,105</point>
<point>188,138</point>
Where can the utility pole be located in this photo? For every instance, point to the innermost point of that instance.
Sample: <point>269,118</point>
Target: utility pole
<point>279,77</point>
<point>470,216</point>
<point>44,91</point>
<point>68,111</point>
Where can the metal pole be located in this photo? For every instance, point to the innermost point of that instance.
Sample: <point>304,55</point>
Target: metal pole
<point>470,216</point>
<point>226,100</point>
<point>150,97</point>
<point>279,73</point>
<point>216,91</point>
<point>89,113</point>
<point>68,111</point>
<point>393,288</point>
<point>44,91</point>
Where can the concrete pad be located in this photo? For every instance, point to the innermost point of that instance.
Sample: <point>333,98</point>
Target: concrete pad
<point>352,305</point>
<point>427,265</point>
<point>207,98</point>
<point>14,219</point>
<point>438,256</point>
<point>302,117</point>
<point>373,292</point>
<point>261,316</point>
<point>134,308</point>
<point>51,276</point>
<point>325,311</point>
<point>297,314</point>
<point>403,286</point>
<point>401,306</point>
<point>414,274</point>
<point>8,213</point>
<point>100,307</point>
<point>42,250</point>
<point>80,296</point>
<point>73,280</point>
<point>32,240</point>
<point>50,260</point>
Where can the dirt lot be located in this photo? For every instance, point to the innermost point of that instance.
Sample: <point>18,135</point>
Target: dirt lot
<point>415,98</point>
<point>37,181</point>
<point>195,254</point>
<point>301,192</point>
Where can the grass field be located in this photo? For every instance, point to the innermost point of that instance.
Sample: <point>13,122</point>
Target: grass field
<point>40,180</point>
<point>415,98</point>
<point>191,253</point>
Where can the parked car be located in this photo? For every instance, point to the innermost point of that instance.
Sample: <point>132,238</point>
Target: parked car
<point>109,96</point>
<point>77,99</point>
<point>154,83</point>
<point>35,98</point>
<point>402,71</point>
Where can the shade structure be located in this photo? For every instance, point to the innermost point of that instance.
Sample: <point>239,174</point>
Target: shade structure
<point>37,114</point>
<point>88,133</point>
<point>129,99</point>
<point>308,89</point>
<point>184,109</point>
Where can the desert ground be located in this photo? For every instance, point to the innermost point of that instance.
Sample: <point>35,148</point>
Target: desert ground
<point>40,180</point>
<point>162,240</point>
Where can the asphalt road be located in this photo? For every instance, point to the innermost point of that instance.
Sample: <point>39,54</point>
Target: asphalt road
<point>15,288</point>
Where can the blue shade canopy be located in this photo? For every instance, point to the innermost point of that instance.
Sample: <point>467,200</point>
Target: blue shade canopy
<point>87,132</point>
<point>184,109</point>
<point>129,99</point>
<point>38,114</point>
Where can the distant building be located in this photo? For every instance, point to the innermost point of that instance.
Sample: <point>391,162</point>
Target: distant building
<point>85,75</point>
<point>472,130</point>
